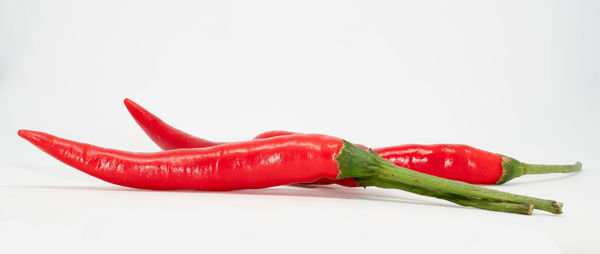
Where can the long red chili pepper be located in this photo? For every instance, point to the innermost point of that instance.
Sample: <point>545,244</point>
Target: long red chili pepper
<point>270,162</point>
<point>245,165</point>
<point>456,162</point>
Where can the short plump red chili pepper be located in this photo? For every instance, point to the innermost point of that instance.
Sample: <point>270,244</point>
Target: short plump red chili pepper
<point>455,162</point>
<point>262,163</point>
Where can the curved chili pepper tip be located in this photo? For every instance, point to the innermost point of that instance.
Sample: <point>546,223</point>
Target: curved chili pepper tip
<point>161,133</point>
<point>38,139</point>
<point>31,136</point>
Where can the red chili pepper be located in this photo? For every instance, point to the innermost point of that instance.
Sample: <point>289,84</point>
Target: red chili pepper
<point>455,162</point>
<point>245,165</point>
<point>270,162</point>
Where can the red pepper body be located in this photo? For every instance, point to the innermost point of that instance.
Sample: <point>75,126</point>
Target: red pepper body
<point>455,162</point>
<point>246,165</point>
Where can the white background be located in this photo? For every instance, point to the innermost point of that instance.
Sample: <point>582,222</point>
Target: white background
<point>515,77</point>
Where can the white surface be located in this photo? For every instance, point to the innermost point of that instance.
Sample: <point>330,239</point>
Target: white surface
<point>514,77</point>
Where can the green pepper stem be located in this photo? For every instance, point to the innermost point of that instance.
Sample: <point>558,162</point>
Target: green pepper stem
<point>512,168</point>
<point>526,209</point>
<point>356,162</point>
<point>529,169</point>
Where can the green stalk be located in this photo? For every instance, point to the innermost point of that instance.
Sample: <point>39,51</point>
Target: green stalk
<point>545,169</point>
<point>356,162</point>
<point>526,209</point>
<point>513,168</point>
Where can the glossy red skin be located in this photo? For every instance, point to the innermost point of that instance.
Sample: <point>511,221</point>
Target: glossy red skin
<point>253,164</point>
<point>455,162</point>
<point>164,135</point>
